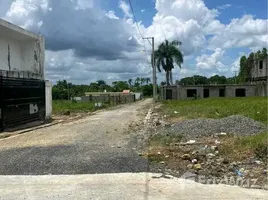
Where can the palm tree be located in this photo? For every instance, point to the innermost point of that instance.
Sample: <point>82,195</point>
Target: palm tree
<point>165,56</point>
<point>137,82</point>
<point>142,80</point>
<point>130,81</point>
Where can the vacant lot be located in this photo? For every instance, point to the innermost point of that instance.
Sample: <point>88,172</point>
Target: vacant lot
<point>62,106</point>
<point>227,137</point>
<point>253,107</point>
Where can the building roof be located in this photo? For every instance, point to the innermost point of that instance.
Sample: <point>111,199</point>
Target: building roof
<point>10,30</point>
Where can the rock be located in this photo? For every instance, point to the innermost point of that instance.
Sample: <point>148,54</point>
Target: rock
<point>214,148</point>
<point>210,155</point>
<point>167,156</point>
<point>190,166</point>
<point>258,162</point>
<point>162,162</point>
<point>186,157</point>
<point>197,167</point>
<point>216,153</point>
<point>220,160</point>
<point>234,164</point>
<point>265,171</point>
<point>175,112</point>
<point>194,161</point>
<point>225,161</point>
<point>191,142</point>
<point>217,142</point>
<point>158,153</point>
<point>223,133</point>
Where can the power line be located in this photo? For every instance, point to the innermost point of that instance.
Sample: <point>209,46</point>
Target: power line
<point>135,19</point>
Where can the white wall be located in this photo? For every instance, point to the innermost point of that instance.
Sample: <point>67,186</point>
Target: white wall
<point>48,100</point>
<point>22,55</point>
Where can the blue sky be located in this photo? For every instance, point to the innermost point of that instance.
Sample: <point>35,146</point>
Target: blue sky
<point>87,40</point>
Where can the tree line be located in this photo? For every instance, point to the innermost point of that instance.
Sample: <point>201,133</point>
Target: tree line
<point>64,90</point>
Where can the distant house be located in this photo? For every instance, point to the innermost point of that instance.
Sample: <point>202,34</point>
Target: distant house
<point>259,71</point>
<point>257,87</point>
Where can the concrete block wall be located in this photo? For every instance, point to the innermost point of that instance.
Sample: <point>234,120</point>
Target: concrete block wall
<point>250,90</point>
<point>21,52</point>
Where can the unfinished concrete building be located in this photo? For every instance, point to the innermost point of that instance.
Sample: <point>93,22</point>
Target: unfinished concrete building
<point>23,89</point>
<point>257,87</point>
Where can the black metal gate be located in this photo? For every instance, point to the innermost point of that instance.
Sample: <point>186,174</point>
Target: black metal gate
<point>21,101</point>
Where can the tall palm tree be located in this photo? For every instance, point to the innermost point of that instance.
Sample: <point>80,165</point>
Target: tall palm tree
<point>166,55</point>
<point>142,80</point>
<point>130,81</point>
<point>148,80</point>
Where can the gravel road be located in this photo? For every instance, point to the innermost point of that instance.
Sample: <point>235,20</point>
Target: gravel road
<point>101,143</point>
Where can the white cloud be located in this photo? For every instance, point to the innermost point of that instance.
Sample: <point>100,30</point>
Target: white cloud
<point>111,15</point>
<point>211,62</point>
<point>243,32</point>
<point>125,8</point>
<point>85,42</point>
<point>142,10</point>
<point>222,7</point>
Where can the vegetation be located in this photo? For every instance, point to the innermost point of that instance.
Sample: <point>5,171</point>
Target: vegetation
<point>64,90</point>
<point>166,55</point>
<point>62,106</point>
<point>246,64</point>
<point>202,80</point>
<point>255,145</point>
<point>253,107</point>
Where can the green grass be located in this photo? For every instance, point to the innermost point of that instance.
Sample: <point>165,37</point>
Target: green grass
<point>253,107</point>
<point>61,106</point>
<point>164,140</point>
<point>238,147</point>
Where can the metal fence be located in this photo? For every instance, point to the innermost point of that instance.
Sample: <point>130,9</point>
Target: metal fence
<point>21,101</point>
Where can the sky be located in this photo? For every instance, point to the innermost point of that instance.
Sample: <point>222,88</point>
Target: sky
<point>88,40</point>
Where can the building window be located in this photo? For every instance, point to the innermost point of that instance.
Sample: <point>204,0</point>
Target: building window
<point>241,92</point>
<point>168,94</point>
<point>206,93</point>
<point>191,93</point>
<point>261,64</point>
<point>221,92</point>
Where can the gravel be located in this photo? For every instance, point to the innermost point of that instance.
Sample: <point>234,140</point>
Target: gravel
<point>236,124</point>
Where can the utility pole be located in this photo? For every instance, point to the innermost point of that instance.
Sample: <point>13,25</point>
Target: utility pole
<point>154,69</point>
<point>235,76</point>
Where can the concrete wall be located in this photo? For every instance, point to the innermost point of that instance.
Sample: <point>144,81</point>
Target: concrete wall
<point>26,52</point>
<point>250,90</point>
<point>180,92</point>
<point>48,100</point>
<point>257,72</point>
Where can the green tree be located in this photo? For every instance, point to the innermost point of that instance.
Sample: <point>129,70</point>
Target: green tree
<point>242,75</point>
<point>166,55</point>
<point>216,79</point>
<point>137,82</point>
<point>148,80</point>
<point>119,86</point>
<point>130,81</point>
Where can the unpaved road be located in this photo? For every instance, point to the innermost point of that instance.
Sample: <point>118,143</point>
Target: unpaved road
<point>101,144</point>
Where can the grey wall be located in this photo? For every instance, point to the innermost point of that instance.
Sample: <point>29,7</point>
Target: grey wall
<point>250,90</point>
<point>180,92</point>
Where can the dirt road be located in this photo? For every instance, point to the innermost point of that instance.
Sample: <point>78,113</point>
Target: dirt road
<point>101,143</point>
<point>105,144</point>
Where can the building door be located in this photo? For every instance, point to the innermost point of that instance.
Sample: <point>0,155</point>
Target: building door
<point>241,92</point>
<point>168,94</point>
<point>206,93</point>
